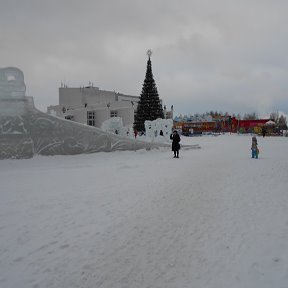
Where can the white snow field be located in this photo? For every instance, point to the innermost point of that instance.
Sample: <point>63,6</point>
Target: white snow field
<point>215,218</point>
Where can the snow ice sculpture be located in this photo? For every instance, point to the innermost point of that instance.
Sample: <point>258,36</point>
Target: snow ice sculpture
<point>153,128</point>
<point>114,125</point>
<point>26,131</point>
<point>12,83</point>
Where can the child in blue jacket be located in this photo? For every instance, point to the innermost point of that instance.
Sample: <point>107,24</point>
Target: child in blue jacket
<point>254,148</point>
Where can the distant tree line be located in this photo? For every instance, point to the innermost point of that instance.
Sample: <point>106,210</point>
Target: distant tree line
<point>280,120</point>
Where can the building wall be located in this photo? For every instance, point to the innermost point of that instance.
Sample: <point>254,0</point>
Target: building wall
<point>122,97</point>
<point>79,115</point>
<point>74,103</point>
<point>86,95</point>
<point>70,97</point>
<point>127,115</point>
<point>101,116</point>
<point>103,97</point>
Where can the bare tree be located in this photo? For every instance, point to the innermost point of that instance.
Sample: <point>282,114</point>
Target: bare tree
<point>275,117</point>
<point>282,122</point>
<point>250,116</point>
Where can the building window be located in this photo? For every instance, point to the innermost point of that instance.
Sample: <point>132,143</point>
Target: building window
<point>91,118</point>
<point>69,117</point>
<point>113,113</point>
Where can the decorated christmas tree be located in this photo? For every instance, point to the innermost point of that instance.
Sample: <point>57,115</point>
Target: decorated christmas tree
<point>149,106</point>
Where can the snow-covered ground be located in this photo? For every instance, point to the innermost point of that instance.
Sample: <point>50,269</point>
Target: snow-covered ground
<point>215,218</point>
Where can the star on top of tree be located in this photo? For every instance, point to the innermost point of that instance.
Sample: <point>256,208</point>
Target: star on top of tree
<point>149,53</point>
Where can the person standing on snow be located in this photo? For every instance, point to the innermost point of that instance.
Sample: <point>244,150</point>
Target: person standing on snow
<point>254,148</point>
<point>175,143</point>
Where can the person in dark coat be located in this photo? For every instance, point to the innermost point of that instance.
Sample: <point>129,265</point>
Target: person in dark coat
<point>263,131</point>
<point>175,143</point>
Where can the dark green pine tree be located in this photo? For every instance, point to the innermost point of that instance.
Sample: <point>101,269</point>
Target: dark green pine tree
<point>149,106</point>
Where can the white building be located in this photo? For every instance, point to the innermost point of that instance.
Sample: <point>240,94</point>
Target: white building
<point>92,106</point>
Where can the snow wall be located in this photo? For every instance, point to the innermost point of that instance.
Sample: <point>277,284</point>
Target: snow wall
<point>153,128</point>
<point>26,131</point>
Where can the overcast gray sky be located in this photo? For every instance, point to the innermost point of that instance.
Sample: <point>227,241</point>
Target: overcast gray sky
<point>222,55</point>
